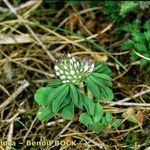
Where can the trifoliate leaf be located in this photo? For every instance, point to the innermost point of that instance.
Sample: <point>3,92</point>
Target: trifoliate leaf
<point>106,93</point>
<point>98,66</point>
<point>98,113</point>
<point>106,70</point>
<point>55,92</point>
<point>93,87</point>
<point>45,113</point>
<point>99,81</point>
<point>67,111</point>
<point>60,100</point>
<point>102,76</point>
<point>55,83</point>
<point>74,94</point>
<point>102,67</point>
<point>41,95</point>
<point>89,104</point>
<point>86,119</point>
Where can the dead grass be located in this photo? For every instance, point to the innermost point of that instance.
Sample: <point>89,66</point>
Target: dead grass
<point>29,46</point>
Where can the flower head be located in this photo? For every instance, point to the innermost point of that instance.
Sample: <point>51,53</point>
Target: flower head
<point>71,70</point>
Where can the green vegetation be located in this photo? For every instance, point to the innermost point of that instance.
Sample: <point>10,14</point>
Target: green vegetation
<point>75,71</point>
<point>64,95</point>
<point>139,41</point>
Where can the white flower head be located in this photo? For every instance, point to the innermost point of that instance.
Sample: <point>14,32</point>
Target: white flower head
<point>71,70</point>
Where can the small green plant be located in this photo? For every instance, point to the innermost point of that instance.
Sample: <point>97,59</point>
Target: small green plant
<point>80,84</point>
<point>138,42</point>
<point>128,6</point>
<point>117,10</point>
<point>111,9</point>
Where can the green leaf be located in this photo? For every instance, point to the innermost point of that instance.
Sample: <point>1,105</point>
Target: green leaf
<point>141,47</point>
<point>106,93</point>
<point>41,95</point>
<point>98,113</point>
<point>102,76</point>
<point>89,104</point>
<point>85,119</point>
<point>147,25</point>
<point>99,81</point>
<point>80,100</point>
<point>100,91</point>
<point>68,111</point>
<point>128,6</point>
<point>147,35</point>
<point>117,123</point>
<point>137,36</point>
<point>45,113</point>
<point>102,67</point>
<point>103,121</point>
<point>108,117</point>
<point>107,71</point>
<point>60,100</point>
<point>55,92</point>
<point>128,44</point>
<point>74,94</point>
<point>99,66</point>
<point>94,88</point>
<point>97,127</point>
<point>55,83</point>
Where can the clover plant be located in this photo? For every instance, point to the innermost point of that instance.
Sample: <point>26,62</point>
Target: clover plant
<point>80,87</point>
<point>139,41</point>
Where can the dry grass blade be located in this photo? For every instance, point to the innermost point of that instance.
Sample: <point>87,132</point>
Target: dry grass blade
<point>35,33</point>
<point>30,30</point>
<point>24,85</point>
<point>10,135</point>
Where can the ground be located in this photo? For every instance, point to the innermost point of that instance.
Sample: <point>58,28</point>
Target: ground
<point>34,34</point>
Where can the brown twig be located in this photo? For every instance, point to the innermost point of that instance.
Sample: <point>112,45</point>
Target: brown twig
<point>124,102</point>
<point>64,129</point>
<point>100,145</point>
<point>27,67</point>
<point>127,104</point>
<point>31,126</point>
<point>24,85</point>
